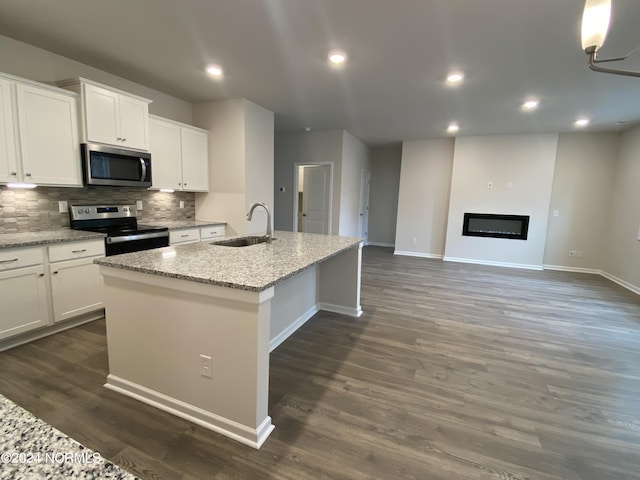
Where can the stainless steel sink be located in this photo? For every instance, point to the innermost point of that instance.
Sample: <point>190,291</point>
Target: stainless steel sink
<point>242,242</point>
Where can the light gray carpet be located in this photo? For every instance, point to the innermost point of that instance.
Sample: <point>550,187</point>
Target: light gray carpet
<point>32,449</point>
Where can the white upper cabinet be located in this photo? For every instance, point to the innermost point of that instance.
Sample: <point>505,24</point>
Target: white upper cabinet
<point>195,160</point>
<point>112,116</point>
<point>38,134</point>
<point>179,156</point>
<point>8,154</point>
<point>48,136</point>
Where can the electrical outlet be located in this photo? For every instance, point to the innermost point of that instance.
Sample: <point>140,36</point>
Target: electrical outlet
<point>139,204</point>
<point>181,203</point>
<point>206,367</point>
<point>572,253</point>
<point>490,185</point>
<point>509,184</point>
<point>414,240</point>
<point>63,206</point>
<point>556,213</point>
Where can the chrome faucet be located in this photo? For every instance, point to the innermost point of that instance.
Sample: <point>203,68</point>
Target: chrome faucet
<point>269,233</point>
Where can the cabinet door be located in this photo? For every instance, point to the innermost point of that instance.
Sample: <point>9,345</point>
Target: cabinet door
<point>8,155</point>
<point>76,287</point>
<point>48,132</point>
<point>24,303</point>
<point>164,139</point>
<point>134,123</point>
<point>102,115</point>
<point>195,160</point>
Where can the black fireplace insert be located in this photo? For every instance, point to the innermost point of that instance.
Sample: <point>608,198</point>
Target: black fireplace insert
<point>495,226</point>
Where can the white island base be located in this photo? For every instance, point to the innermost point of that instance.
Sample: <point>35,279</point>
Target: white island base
<point>201,351</point>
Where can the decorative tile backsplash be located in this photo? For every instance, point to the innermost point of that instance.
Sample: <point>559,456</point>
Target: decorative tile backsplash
<point>37,209</point>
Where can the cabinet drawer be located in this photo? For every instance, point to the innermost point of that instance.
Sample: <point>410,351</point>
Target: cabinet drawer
<point>212,232</point>
<point>182,236</point>
<point>69,251</point>
<point>20,257</point>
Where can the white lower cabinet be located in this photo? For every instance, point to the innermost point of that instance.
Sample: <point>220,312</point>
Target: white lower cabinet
<point>215,231</point>
<point>76,283</point>
<point>23,290</point>
<point>191,235</point>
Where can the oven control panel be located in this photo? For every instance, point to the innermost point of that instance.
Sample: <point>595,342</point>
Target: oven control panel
<point>95,212</point>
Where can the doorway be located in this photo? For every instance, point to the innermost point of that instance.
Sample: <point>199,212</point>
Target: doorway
<point>312,199</point>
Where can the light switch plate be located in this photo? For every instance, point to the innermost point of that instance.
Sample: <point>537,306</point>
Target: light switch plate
<point>181,203</point>
<point>638,232</point>
<point>63,206</point>
<point>139,204</point>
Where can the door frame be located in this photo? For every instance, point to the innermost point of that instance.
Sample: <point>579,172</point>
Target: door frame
<point>296,166</point>
<point>360,202</point>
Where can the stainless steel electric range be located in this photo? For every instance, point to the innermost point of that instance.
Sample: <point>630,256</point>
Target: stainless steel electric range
<point>120,224</point>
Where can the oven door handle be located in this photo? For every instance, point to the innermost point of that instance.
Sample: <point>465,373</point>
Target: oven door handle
<point>144,170</point>
<point>140,236</point>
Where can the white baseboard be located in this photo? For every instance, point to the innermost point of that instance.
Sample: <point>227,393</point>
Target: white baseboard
<point>330,307</point>
<point>241,433</point>
<point>287,332</point>
<point>561,268</point>
<point>494,264</point>
<point>418,254</point>
<point>381,244</point>
<point>623,283</point>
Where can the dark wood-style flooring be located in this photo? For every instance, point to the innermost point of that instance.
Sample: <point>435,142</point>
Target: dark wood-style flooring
<point>453,372</point>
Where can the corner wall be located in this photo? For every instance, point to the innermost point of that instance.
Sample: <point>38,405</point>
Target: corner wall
<point>383,195</point>
<point>623,246</point>
<point>582,189</point>
<point>355,158</point>
<point>423,199</point>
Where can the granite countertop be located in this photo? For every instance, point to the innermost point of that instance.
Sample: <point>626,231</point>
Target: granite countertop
<point>30,239</point>
<point>254,268</point>
<point>183,224</point>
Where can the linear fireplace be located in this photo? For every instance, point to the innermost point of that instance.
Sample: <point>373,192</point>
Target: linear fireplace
<point>496,226</point>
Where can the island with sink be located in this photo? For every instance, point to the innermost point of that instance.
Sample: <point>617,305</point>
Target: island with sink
<point>190,327</point>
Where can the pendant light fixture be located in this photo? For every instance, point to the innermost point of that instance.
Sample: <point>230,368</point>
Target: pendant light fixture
<point>595,24</point>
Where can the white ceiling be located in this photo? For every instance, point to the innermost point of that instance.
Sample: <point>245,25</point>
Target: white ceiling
<point>392,89</point>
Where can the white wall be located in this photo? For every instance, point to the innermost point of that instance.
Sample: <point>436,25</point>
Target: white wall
<point>259,167</point>
<point>423,200</point>
<point>623,246</point>
<point>581,195</point>
<point>305,147</point>
<point>383,195</point>
<point>23,60</point>
<point>240,163</point>
<point>528,162</point>
<point>355,158</point>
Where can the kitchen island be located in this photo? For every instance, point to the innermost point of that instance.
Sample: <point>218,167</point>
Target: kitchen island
<point>190,327</point>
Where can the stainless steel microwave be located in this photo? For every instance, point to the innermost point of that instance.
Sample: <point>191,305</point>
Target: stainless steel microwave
<point>105,165</point>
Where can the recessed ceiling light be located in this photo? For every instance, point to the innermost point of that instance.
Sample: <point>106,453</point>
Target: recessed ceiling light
<point>530,105</point>
<point>455,77</point>
<point>453,128</point>
<point>307,129</point>
<point>214,70</point>
<point>337,57</point>
<point>582,122</point>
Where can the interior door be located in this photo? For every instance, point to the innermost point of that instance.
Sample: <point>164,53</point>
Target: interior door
<point>316,199</point>
<point>365,180</point>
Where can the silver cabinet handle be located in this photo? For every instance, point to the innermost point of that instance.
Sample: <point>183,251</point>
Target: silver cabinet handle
<point>144,170</point>
<point>124,139</point>
<point>55,273</point>
<point>9,261</point>
<point>14,174</point>
<point>79,251</point>
<point>28,174</point>
<point>41,274</point>
<point>181,236</point>
<point>119,139</point>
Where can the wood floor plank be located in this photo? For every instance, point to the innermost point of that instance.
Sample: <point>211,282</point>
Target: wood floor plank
<point>453,372</point>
